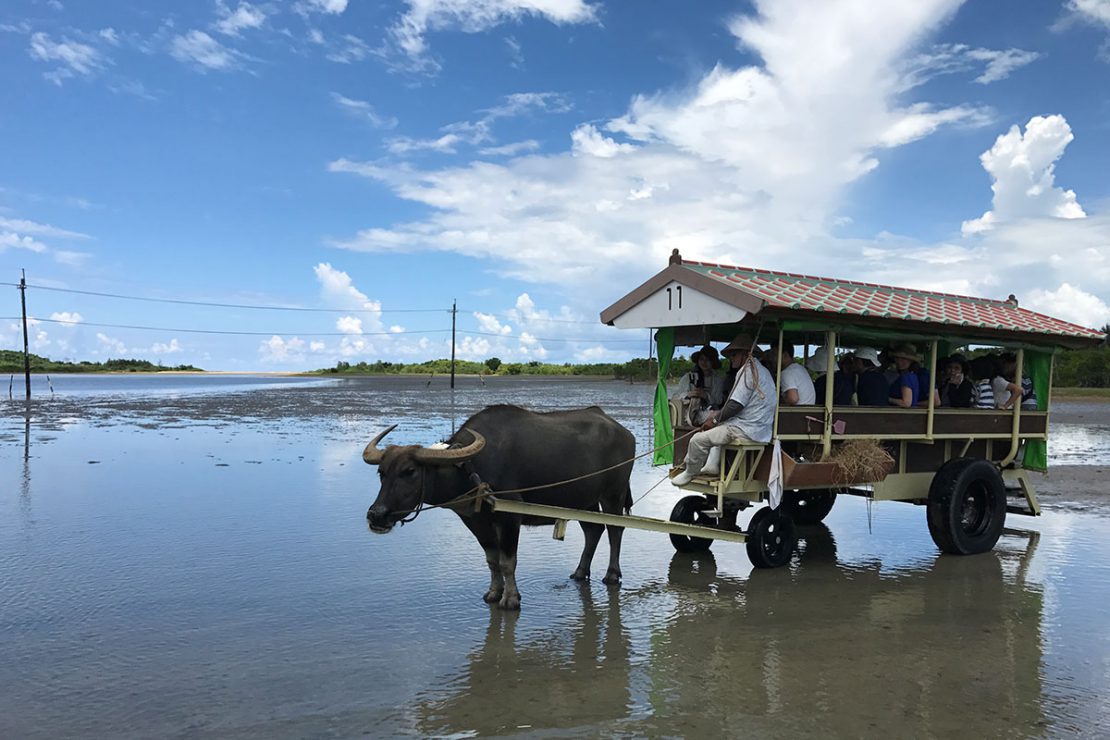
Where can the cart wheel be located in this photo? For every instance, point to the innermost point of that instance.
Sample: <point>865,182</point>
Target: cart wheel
<point>688,511</point>
<point>809,507</point>
<point>771,538</point>
<point>967,506</point>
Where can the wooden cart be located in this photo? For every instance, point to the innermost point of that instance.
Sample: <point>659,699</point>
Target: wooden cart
<point>967,467</point>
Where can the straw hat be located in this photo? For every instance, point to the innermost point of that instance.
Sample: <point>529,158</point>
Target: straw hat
<point>870,354</point>
<point>906,352</point>
<point>739,343</point>
<point>710,353</point>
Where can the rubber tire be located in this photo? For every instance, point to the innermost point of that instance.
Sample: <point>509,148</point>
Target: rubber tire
<point>947,512</point>
<point>687,511</point>
<point>771,538</point>
<point>809,507</point>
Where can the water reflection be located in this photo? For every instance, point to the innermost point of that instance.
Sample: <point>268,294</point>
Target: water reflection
<point>577,673</point>
<point>953,646</point>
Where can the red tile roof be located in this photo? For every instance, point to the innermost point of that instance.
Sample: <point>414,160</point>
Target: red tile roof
<point>830,295</point>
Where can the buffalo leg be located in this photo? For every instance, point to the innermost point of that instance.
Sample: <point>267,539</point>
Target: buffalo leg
<point>613,573</point>
<point>483,530</point>
<point>508,535</point>
<point>592,533</point>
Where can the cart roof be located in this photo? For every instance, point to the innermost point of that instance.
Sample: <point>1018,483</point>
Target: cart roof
<point>786,295</point>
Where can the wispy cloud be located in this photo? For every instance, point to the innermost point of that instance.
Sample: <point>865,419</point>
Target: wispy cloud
<point>407,34</point>
<point>364,111</point>
<point>942,59</point>
<point>244,16</point>
<point>33,227</point>
<point>480,130</point>
<point>74,57</point>
<point>203,52</point>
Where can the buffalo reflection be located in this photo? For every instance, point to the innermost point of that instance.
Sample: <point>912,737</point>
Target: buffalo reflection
<point>575,672</point>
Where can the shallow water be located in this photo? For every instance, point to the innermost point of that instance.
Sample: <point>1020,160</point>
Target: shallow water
<point>198,564</point>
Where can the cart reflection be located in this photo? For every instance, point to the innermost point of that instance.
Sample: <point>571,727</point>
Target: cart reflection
<point>824,646</point>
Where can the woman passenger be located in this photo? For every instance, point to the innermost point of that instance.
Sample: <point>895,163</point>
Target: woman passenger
<point>905,391</point>
<point>957,391</point>
<point>705,383</point>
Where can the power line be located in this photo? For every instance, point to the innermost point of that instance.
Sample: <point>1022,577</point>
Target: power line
<point>315,334</point>
<point>557,339</point>
<point>255,307</point>
<point>234,333</point>
<point>536,319</point>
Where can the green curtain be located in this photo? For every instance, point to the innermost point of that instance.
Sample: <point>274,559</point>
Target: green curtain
<point>1038,366</point>
<point>664,432</point>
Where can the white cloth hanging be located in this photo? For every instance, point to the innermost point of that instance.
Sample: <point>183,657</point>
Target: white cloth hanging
<point>774,478</point>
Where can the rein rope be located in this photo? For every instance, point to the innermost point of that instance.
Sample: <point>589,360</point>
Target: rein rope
<point>482,489</point>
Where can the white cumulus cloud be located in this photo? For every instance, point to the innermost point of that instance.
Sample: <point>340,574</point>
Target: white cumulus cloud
<point>339,290</point>
<point>747,161</point>
<point>67,318</point>
<point>349,325</point>
<point>1022,166</point>
<point>166,348</point>
<point>278,349</point>
<point>489,323</point>
<point>1071,304</point>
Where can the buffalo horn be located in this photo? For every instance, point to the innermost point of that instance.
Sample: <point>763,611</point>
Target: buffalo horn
<point>452,455</point>
<point>372,455</point>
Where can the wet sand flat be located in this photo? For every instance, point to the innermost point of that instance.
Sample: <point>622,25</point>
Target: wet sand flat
<point>196,562</point>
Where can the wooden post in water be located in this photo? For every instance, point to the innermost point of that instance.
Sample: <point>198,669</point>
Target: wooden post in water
<point>454,311</point>
<point>26,352</point>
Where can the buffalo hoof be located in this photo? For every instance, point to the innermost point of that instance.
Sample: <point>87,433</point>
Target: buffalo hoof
<point>580,575</point>
<point>510,602</point>
<point>492,597</point>
<point>612,578</point>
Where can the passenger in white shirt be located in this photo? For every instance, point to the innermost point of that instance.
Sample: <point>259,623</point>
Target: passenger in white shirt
<point>748,414</point>
<point>796,388</point>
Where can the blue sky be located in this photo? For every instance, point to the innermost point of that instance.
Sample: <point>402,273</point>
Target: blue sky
<point>533,159</point>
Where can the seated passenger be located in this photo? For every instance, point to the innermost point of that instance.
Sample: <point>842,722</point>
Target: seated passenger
<point>703,388</point>
<point>983,369</point>
<point>906,390</point>
<point>844,381</point>
<point>1006,391</point>
<point>957,392</point>
<point>1028,394</point>
<point>748,414</point>
<point>795,387</point>
<point>871,385</point>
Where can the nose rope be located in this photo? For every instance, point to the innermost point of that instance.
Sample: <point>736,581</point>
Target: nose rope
<point>482,489</point>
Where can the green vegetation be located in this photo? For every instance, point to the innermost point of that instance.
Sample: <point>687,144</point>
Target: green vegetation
<point>12,362</point>
<point>1084,368</point>
<point>637,369</point>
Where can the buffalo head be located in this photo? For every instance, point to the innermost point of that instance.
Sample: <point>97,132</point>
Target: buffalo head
<point>405,475</point>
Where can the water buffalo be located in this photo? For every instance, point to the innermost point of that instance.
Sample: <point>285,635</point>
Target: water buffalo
<point>509,447</point>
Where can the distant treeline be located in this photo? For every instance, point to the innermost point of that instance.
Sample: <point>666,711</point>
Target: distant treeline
<point>1083,368</point>
<point>637,369</point>
<point>12,362</point>
<point>1087,368</point>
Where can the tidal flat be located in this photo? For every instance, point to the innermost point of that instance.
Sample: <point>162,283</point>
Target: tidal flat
<point>188,556</point>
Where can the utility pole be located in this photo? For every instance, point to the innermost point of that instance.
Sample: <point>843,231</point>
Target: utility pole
<point>26,352</point>
<point>454,311</point>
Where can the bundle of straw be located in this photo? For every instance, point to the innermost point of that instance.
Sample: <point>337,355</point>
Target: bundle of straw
<point>861,461</point>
